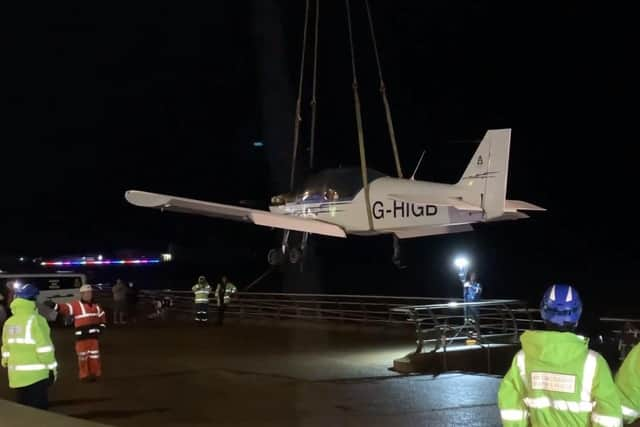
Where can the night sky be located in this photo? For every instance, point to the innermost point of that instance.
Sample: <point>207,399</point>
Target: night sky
<point>169,97</point>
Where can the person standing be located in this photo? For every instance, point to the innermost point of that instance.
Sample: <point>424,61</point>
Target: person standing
<point>89,321</point>
<point>119,291</point>
<point>201,291</point>
<point>472,291</point>
<point>132,302</point>
<point>27,350</point>
<point>555,380</point>
<point>628,383</point>
<point>224,291</point>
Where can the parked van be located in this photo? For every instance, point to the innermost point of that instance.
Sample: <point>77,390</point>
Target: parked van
<point>57,287</point>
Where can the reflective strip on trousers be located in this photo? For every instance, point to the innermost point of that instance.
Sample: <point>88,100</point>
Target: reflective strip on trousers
<point>605,420</point>
<point>6,354</point>
<point>513,415</point>
<point>45,349</point>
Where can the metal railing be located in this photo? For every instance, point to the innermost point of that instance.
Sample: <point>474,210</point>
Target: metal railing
<point>482,322</point>
<point>363,309</point>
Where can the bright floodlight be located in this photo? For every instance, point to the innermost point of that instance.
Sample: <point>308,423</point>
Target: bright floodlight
<point>461,262</point>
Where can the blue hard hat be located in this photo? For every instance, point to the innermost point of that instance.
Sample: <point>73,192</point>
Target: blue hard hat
<point>27,291</point>
<point>561,305</point>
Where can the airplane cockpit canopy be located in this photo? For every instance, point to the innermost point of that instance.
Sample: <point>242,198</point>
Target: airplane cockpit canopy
<point>329,185</point>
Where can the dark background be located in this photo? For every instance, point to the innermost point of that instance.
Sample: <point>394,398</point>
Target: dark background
<point>169,97</point>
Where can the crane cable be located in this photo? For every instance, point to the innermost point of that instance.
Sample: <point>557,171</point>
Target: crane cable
<point>363,158</point>
<point>298,117</point>
<point>383,92</point>
<point>313,94</point>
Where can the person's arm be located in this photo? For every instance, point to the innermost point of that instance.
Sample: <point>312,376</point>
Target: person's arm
<point>102,317</point>
<point>607,410</point>
<point>511,394</point>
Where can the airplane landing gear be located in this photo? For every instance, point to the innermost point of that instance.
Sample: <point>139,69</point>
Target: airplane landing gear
<point>275,257</point>
<point>294,255</point>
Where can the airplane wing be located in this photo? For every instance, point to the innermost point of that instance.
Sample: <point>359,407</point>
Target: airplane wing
<point>437,201</point>
<point>235,213</point>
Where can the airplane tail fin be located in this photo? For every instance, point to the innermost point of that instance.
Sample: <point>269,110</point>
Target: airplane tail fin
<point>485,179</point>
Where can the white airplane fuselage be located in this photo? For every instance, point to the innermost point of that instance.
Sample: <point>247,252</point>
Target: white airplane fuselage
<point>387,212</point>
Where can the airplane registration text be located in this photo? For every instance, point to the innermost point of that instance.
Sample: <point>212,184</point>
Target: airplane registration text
<point>402,209</point>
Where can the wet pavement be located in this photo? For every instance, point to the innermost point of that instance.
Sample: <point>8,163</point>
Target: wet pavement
<point>253,373</point>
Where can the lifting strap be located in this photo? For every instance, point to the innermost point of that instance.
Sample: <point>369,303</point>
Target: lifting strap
<point>383,92</point>
<point>313,94</point>
<point>363,158</point>
<point>298,117</point>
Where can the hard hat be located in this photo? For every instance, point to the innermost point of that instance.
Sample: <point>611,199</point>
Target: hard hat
<point>86,288</point>
<point>561,305</point>
<point>27,291</point>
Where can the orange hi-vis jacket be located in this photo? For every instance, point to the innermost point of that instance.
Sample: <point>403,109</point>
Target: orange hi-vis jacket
<point>88,318</point>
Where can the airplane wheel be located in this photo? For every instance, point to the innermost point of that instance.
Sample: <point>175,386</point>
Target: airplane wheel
<point>295,255</point>
<point>275,257</point>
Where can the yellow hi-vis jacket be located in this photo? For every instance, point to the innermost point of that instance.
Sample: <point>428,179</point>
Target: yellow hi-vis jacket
<point>202,291</point>
<point>555,380</point>
<point>27,350</point>
<point>628,382</point>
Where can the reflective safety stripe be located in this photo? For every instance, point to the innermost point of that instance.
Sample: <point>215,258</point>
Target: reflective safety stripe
<point>513,415</point>
<point>605,420</point>
<point>198,300</point>
<point>45,349</point>
<point>93,331</point>
<point>53,365</point>
<point>94,357</point>
<point>27,335</point>
<point>6,354</point>
<point>70,307</point>
<point>78,332</point>
<point>521,366</point>
<point>83,316</point>
<point>36,367</point>
<point>20,341</point>
<point>560,405</point>
<point>588,374</point>
<point>94,352</point>
<point>628,412</point>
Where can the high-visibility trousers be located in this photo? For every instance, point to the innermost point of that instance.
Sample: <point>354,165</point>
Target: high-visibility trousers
<point>88,353</point>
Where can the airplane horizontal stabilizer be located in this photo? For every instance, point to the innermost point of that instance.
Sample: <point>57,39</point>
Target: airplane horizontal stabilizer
<point>519,205</point>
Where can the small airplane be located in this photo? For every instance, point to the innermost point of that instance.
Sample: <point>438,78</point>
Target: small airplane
<point>334,202</point>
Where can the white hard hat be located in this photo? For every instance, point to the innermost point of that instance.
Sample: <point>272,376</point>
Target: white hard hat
<point>86,288</point>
